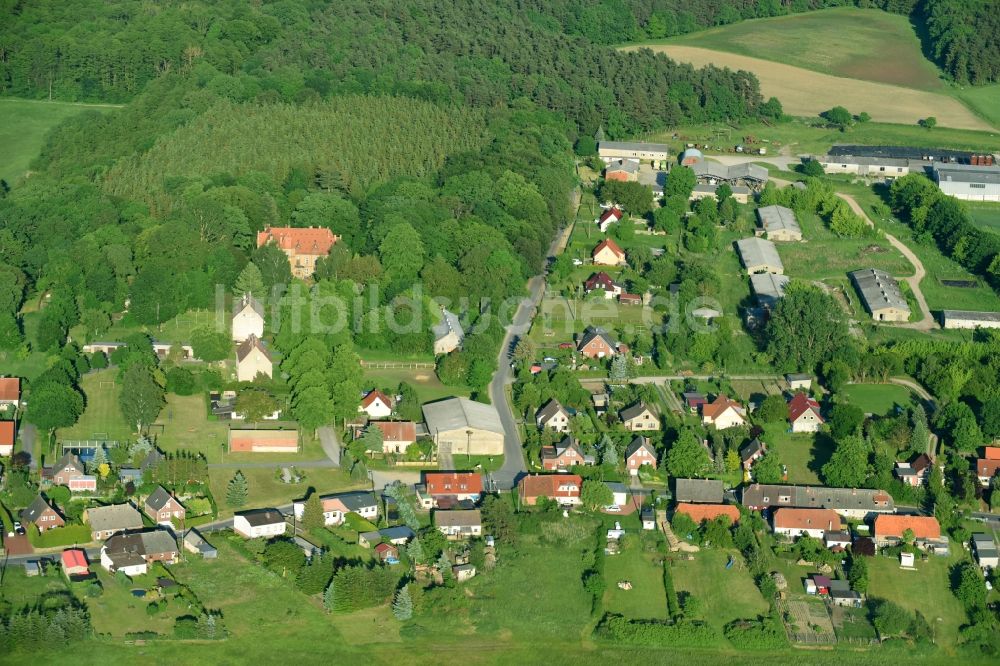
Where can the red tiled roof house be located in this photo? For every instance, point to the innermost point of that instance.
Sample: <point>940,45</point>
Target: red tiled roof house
<point>303,246</point>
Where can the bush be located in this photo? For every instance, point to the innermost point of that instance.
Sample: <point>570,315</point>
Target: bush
<point>180,381</point>
<point>686,633</point>
<point>155,607</point>
<point>762,634</point>
<point>186,626</point>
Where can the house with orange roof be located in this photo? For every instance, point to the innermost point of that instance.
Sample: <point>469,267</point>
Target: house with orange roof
<point>562,488</point>
<point>889,530</point>
<point>609,217</point>
<point>607,253</point>
<point>702,512</point>
<point>74,562</point>
<point>10,392</point>
<point>8,433</point>
<point>376,404</point>
<point>803,413</point>
<point>397,436</point>
<point>303,246</point>
<point>445,489</point>
<point>815,523</point>
<point>989,465</point>
<point>723,413</point>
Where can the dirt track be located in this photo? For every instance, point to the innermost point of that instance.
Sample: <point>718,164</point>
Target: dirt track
<point>806,93</point>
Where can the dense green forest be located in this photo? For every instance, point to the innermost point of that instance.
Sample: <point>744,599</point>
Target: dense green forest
<point>965,38</point>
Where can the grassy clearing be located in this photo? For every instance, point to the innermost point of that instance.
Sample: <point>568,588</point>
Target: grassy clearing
<point>19,590</point>
<point>865,44</point>
<point>928,590</point>
<point>424,381</point>
<point>178,329</point>
<point>25,124</point>
<point>826,256</point>
<point>983,100</point>
<point>986,216</point>
<point>647,598</point>
<point>102,416</point>
<point>266,488</point>
<point>725,594</point>
<point>877,398</point>
<point>117,612</point>
<point>803,453</point>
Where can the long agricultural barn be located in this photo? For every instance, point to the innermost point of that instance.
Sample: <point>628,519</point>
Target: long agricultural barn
<point>969,319</point>
<point>633,150</point>
<point>779,223</point>
<point>880,294</point>
<point>759,256</point>
<point>967,182</point>
<point>460,425</point>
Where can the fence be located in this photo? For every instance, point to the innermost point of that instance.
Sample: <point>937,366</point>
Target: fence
<point>395,365</point>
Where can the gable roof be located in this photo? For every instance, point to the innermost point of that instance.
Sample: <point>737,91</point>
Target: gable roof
<point>594,332</point>
<point>34,510</point>
<point>757,251</point>
<point>460,518</point>
<point>717,407</point>
<point>924,527</point>
<point>152,459</point>
<point>705,491</point>
<point>251,303</point>
<point>878,289</point>
<point>10,388</point>
<point>7,433</point>
<point>817,497</point>
<point>114,517</point>
<point>752,448</point>
<point>599,280</point>
<point>549,410</point>
<point>449,323</point>
<point>778,218</point>
<point>397,431</point>
<point>613,212</point>
<point>301,240</point>
<point>261,517</point>
<point>628,166</point>
<point>634,411</point>
<point>700,512</point>
<point>353,501</point>
<point>609,244</point>
<point>987,468</point>
<point>638,443</point>
<point>453,483</point>
<point>991,452</point>
<point>372,396</point>
<point>800,404</point>
<point>74,558</point>
<point>154,542</point>
<point>921,462</point>
<point>64,462</point>
<point>548,485</point>
<point>158,498</point>
<point>253,342</point>
<point>806,519</point>
<point>456,413</point>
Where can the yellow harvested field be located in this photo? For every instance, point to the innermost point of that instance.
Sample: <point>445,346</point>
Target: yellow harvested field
<point>806,93</point>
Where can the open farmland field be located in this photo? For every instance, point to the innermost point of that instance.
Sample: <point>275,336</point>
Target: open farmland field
<point>807,93</point>
<point>865,44</point>
<point>986,216</point>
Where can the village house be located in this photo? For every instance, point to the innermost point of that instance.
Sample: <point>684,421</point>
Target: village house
<point>133,553</point>
<point>8,435</point>
<point>779,224</point>
<point>448,333</point>
<point>398,535</point>
<point>263,441</point>
<point>597,343</point>
<point>988,466</point>
<point>602,282</point>
<point>815,523</point>
<point>69,472</point>
<point>609,217</point>
<point>461,426</point>
<point>566,454</point>
<point>459,524</point>
<point>984,549</point>
<point>837,540</point>
<point>303,246</point>
<point>851,503</point>
<point>564,489</point>
<point>708,512</point>
<point>336,507</point>
<point>880,295</point>
<point>376,405</point>
<point>106,521</point>
<point>248,320</point>
<point>446,489</point>
<point>195,543</point>
<point>723,413</point>
<point>163,508</point>
<point>259,523</point>
<point>889,530</point>
<point>799,381</point>
<point>10,393</point>
<point>252,360</point>
<point>386,552</point>
<point>698,491</point>
<point>803,413</point>
<point>607,253</point>
<point>74,562</point>
<point>639,452</point>
<point>914,473</point>
<point>42,515</point>
<point>397,436</point>
<point>694,401</point>
<point>639,417</point>
<point>751,452</point>
<point>622,170</point>
<point>553,416</point>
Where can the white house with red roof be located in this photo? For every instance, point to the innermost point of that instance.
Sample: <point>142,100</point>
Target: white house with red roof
<point>607,253</point>
<point>397,436</point>
<point>10,392</point>
<point>603,282</point>
<point>803,413</point>
<point>449,488</point>
<point>609,217</point>
<point>303,246</point>
<point>376,405</point>
<point>723,413</point>
<point>8,434</point>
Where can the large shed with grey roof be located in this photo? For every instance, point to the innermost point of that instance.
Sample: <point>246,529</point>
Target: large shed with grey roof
<point>768,288</point>
<point>698,491</point>
<point>880,294</point>
<point>969,319</point>
<point>759,256</point>
<point>968,182</point>
<point>460,425</point>
<point>779,223</point>
<point>633,150</point>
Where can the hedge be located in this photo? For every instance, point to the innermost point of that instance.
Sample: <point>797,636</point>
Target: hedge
<point>8,525</point>
<point>673,607</point>
<point>763,634</point>
<point>60,536</point>
<point>685,633</point>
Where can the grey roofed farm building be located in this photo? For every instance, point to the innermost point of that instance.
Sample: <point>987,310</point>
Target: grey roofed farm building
<point>698,491</point>
<point>880,294</point>
<point>759,256</point>
<point>967,182</point>
<point>465,426</point>
<point>768,288</point>
<point>627,166</point>
<point>969,319</point>
<point>779,223</point>
<point>852,502</point>
<point>632,150</point>
<point>448,333</point>
<point>901,152</point>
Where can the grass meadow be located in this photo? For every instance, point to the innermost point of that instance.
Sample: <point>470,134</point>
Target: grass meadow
<point>880,399</point>
<point>725,594</point>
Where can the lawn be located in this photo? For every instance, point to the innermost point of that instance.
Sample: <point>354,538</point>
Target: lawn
<point>850,38</point>
<point>927,589</point>
<point>117,612</point>
<point>725,594</point>
<point>178,329</point>
<point>986,216</point>
<point>423,380</point>
<point>878,399</point>
<point>19,590</point>
<point>803,453</point>
<point>102,418</point>
<point>984,100</point>
<point>647,598</point>
<point>266,488</point>
<point>25,124</point>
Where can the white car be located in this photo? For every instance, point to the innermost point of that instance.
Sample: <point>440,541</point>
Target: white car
<point>578,262</point>
<point>613,508</point>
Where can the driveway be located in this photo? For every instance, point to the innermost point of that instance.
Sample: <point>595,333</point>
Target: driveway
<point>17,545</point>
<point>330,442</point>
<point>29,435</point>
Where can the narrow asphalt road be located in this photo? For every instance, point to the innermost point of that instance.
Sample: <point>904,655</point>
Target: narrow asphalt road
<point>926,322</point>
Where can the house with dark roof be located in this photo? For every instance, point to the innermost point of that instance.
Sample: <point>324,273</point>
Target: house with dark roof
<point>553,416</point>
<point>253,359</point>
<point>259,523</point>
<point>133,553</point>
<point>564,455</point>
<point>855,503</point>
<point>459,524</point>
<point>984,549</point>
<point>639,417</point>
<point>163,508</point>
<point>106,521</point>
<point>803,413</point>
<point>597,343</point>
<point>914,473</point>
<point>42,515</point>
<point>69,472</point>
<point>698,491</point>
<point>336,507</point>
<point>603,282</point>
<point>751,452</point>
<point>639,452</point>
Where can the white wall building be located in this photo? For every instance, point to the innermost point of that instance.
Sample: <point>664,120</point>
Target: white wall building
<point>968,182</point>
